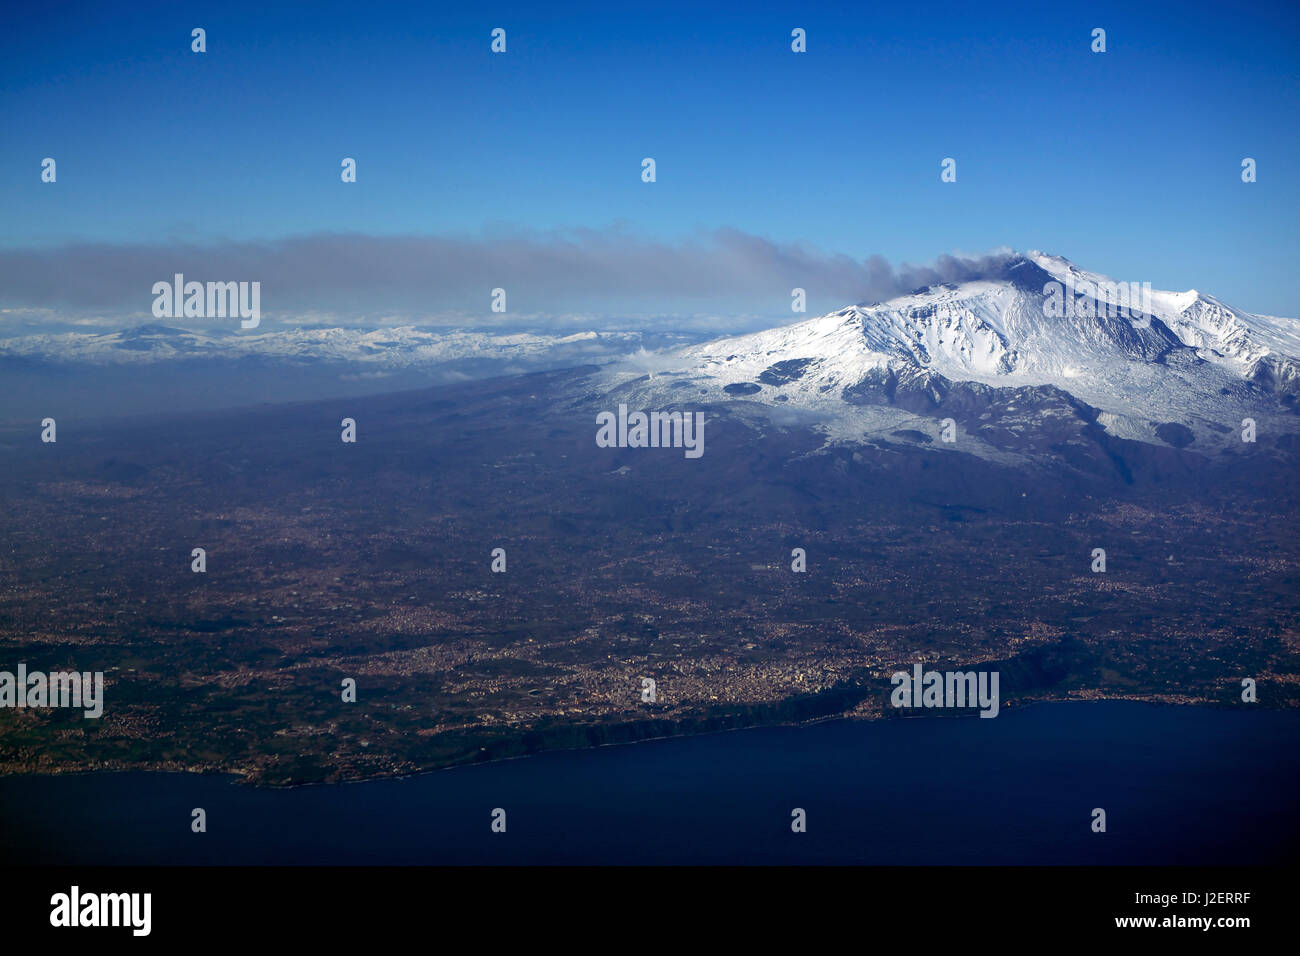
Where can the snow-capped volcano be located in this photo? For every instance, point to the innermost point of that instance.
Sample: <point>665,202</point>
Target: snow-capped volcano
<point>1164,367</point>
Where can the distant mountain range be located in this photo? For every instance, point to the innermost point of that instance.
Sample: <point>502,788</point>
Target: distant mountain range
<point>400,347</point>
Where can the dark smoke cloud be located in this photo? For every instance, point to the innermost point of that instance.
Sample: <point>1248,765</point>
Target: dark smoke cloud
<point>722,274</point>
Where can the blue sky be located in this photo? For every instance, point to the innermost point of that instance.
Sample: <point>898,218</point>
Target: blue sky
<point>1127,162</point>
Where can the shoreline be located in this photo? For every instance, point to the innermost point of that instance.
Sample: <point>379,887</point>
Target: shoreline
<point>246,778</point>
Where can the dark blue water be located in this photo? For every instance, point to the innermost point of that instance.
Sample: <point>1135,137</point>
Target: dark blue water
<point>1180,785</point>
